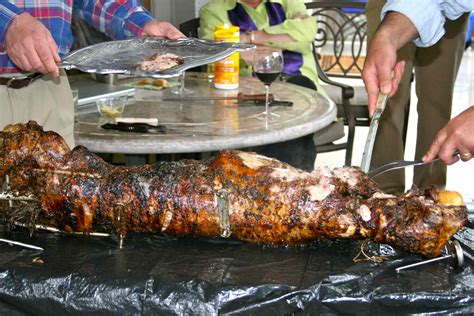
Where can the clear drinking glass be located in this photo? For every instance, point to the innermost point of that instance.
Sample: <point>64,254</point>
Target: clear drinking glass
<point>267,66</point>
<point>75,100</point>
<point>180,89</point>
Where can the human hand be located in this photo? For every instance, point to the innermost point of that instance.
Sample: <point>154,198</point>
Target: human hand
<point>381,73</point>
<point>159,28</point>
<point>30,45</point>
<point>394,32</point>
<point>457,134</point>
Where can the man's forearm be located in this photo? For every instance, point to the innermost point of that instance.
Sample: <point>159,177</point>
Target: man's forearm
<point>398,29</point>
<point>117,19</point>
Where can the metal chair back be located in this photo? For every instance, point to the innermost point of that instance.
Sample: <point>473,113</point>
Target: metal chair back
<point>341,39</point>
<point>190,28</point>
<point>339,51</point>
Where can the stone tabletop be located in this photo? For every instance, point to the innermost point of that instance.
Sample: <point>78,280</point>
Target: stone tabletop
<point>205,125</point>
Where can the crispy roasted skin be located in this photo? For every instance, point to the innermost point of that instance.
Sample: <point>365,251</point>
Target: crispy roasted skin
<point>266,201</point>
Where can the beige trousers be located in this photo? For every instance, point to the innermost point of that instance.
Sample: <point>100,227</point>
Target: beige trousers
<point>47,100</point>
<point>435,68</point>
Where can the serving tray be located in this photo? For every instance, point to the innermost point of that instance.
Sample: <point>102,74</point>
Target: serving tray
<point>123,57</point>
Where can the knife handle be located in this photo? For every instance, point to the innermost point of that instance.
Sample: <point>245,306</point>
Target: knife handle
<point>382,98</point>
<point>135,127</point>
<point>253,97</point>
<point>381,101</point>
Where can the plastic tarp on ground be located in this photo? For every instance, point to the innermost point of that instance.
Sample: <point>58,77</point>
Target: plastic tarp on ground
<point>154,275</point>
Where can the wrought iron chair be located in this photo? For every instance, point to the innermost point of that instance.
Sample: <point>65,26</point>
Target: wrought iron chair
<point>339,51</point>
<point>190,28</point>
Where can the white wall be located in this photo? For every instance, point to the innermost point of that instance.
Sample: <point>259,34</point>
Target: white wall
<point>199,4</point>
<point>161,9</point>
<point>176,11</point>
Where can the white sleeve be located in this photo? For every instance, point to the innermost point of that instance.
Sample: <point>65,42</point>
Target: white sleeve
<point>429,16</point>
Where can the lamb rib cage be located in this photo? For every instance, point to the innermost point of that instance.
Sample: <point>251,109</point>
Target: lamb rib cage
<point>237,194</point>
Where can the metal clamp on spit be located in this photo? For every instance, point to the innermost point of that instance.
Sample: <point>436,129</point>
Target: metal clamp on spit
<point>223,212</point>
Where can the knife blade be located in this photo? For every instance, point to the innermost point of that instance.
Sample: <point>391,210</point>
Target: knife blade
<point>239,97</point>
<point>374,124</point>
<point>262,103</point>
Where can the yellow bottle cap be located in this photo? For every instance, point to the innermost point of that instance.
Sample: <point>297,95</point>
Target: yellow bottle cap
<point>226,32</point>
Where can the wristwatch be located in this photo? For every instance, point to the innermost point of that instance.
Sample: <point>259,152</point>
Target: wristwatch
<point>250,36</point>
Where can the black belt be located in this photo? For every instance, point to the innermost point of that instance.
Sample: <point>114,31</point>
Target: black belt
<point>18,83</point>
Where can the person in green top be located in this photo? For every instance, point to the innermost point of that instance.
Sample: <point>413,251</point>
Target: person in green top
<point>277,23</point>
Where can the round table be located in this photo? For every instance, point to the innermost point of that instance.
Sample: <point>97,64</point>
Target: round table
<point>199,125</point>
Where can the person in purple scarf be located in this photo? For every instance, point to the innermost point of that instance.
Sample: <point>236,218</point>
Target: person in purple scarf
<point>277,23</point>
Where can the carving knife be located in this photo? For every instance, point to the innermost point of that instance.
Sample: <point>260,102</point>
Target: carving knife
<point>374,124</point>
<point>259,103</point>
<point>239,97</point>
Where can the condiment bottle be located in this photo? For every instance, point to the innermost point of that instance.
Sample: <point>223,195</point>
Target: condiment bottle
<point>226,71</point>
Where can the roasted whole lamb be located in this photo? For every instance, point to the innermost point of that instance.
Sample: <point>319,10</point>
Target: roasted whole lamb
<point>240,195</point>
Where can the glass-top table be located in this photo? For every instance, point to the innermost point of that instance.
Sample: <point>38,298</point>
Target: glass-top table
<point>209,125</point>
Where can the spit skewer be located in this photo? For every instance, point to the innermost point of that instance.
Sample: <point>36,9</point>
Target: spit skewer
<point>8,196</point>
<point>55,230</point>
<point>21,244</point>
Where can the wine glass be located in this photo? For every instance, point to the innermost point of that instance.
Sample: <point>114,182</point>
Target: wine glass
<point>267,66</point>
<point>180,88</point>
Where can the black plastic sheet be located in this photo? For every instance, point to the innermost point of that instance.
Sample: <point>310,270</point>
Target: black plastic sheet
<point>157,275</point>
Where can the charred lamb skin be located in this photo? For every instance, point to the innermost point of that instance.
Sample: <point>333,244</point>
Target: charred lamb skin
<point>267,201</point>
<point>160,62</point>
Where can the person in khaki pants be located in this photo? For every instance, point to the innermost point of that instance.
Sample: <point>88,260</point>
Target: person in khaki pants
<point>435,69</point>
<point>48,100</point>
<point>33,36</point>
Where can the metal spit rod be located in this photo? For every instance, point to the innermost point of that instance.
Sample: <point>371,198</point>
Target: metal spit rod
<point>8,196</point>
<point>21,244</point>
<point>454,252</point>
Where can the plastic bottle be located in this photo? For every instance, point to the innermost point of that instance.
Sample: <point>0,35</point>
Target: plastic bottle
<point>226,71</point>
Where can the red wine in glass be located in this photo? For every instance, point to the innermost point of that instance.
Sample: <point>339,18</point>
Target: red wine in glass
<point>267,76</point>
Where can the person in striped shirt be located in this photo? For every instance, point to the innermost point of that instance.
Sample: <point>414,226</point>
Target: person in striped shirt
<point>35,34</point>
